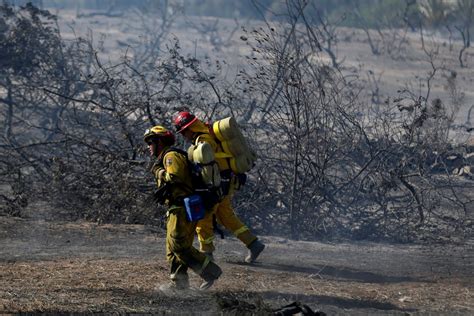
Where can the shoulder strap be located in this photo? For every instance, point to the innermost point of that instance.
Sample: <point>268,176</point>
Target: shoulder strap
<point>196,138</point>
<point>178,150</point>
<point>173,149</point>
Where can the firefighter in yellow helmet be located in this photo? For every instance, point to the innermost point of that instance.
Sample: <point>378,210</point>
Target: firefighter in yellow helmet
<point>174,179</point>
<point>196,131</point>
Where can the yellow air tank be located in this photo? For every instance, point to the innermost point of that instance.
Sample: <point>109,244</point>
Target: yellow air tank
<point>242,157</point>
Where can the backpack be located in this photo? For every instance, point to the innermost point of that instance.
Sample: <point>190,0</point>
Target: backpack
<point>234,145</point>
<point>205,176</point>
<point>202,156</point>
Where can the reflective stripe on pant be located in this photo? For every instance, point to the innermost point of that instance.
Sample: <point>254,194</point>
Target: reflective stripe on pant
<point>205,231</point>
<point>179,244</point>
<point>225,216</point>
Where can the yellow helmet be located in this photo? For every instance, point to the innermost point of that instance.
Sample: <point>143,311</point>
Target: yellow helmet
<point>157,132</point>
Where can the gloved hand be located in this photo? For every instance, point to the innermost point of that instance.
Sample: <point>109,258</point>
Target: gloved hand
<point>160,175</point>
<point>158,171</point>
<point>160,195</point>
<point>155,168</point>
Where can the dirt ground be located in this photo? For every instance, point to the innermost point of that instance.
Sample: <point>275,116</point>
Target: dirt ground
<point>79,267</point>
<point>62,267</point>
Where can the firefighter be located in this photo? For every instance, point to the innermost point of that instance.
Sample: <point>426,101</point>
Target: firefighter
<point>196,131</point>
<point>173,179</point>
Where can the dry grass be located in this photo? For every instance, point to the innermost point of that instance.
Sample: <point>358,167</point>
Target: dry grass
<point>124,285</point>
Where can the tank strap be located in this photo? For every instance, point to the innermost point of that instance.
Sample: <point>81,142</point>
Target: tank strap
<point>222,154</point>
<point>219,154</point>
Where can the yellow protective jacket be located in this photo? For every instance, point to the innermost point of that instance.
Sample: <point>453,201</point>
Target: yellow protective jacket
<point>172,169</point>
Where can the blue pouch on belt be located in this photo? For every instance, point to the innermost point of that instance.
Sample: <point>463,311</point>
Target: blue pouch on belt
<point>194,208</point>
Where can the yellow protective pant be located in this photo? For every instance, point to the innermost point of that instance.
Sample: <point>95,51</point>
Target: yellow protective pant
<point>180,252</point>
<point>225,216</point>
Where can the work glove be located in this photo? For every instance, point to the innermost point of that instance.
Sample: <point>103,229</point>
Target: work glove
<point>160,177</point>
<point>154,169</point>
<point>162,194</point>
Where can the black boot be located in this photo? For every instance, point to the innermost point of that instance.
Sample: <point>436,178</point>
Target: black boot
<point>210,274</point>
<point>255,248</point>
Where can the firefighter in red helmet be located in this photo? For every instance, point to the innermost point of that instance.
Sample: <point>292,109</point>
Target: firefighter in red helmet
<point>196,131</point>
<point>172,173</point>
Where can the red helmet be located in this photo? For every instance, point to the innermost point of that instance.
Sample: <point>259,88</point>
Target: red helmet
<point>183,121</point>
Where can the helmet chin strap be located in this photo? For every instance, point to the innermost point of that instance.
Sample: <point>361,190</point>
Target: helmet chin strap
<point>158,148</point>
